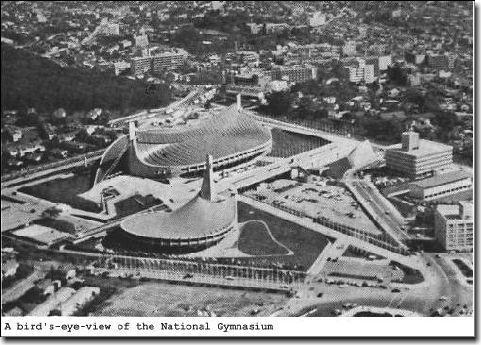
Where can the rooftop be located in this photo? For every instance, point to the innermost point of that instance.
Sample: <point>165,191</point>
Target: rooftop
<point>42,234</point>
<point>206,214</point>
<point>452,211</point>
<point>442,179</point>
<point>196,219</point>
<point>223,134</point>
<point>426,147</point>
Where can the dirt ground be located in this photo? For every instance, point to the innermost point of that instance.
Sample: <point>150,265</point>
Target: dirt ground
<point>162,299</point>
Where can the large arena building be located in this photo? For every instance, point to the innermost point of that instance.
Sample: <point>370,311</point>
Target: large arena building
<point>231,137</point>
<point>198,224</point>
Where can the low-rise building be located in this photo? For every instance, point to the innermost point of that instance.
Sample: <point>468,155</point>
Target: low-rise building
<point>385,61</point>
<point>41,234</point>
<point>12,133</point>
<point>294,74</point>
<point>52,302</point>
<point>441,185</point>
<point>140,64</point>
<point>317,19</point>
<point>20,150</point>
<point>141,41</point>
<point>359,71</point>
<point>78,300</point>
<point>453,226</point>
<point>159,62</point>
<point>418,158</point>
<point>349,48</point>
<point>46,286</point>
<point>414,57</point>
<point>9,268</point>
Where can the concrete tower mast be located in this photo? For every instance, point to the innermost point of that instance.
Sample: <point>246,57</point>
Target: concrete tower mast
<point>207,191</point>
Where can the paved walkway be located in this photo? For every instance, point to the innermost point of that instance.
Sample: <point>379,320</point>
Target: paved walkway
<point>332,250</point>
<point>411,261</point>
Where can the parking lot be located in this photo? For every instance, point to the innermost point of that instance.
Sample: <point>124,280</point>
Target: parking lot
<point>318,198</point>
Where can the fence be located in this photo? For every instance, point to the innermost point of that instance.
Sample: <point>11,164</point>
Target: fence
<point>344,129</point>
<point>383,241</point>
<point>208,272</point>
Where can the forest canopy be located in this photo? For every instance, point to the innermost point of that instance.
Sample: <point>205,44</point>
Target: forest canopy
<point>30,80</point>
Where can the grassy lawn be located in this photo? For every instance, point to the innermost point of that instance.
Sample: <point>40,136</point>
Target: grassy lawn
<point>306,244</point>
<point>411,276</point>
<point>255,239</point>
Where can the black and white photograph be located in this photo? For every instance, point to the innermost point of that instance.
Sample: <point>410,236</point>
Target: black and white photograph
<point>238,168</point>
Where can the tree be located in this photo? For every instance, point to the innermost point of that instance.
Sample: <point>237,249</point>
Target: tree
<point>82,136</point>
<point>445,122</point>
<point>51,212</point>
<point>278,103</point>
<point>32,81</point>
<point>397,75</point>
<point>381,129</point>
<point>415,96</point>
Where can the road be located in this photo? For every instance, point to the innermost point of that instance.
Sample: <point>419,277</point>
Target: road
<point>393,225</point>
<point>200,278</point>
<point>94,156</point>
<point>79,161</point>
<point>423,298</point>
<point>449,285</point>
<point>332,250</point>
<point>142,115</point>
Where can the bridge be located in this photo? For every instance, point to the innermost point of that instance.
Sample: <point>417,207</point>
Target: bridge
<point>147,114</point>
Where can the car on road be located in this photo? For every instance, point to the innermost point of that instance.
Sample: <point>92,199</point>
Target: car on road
<point>336,312</point>
<point>187,276</point>
<point>443,298</point>
<point>395,290</point>
<point>229,277</point>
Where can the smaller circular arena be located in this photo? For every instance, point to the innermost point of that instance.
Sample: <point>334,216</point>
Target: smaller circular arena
<point>200,223</point>
<point>195,226</point>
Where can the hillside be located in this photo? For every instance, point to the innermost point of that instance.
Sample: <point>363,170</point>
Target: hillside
<point>29,80</point>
